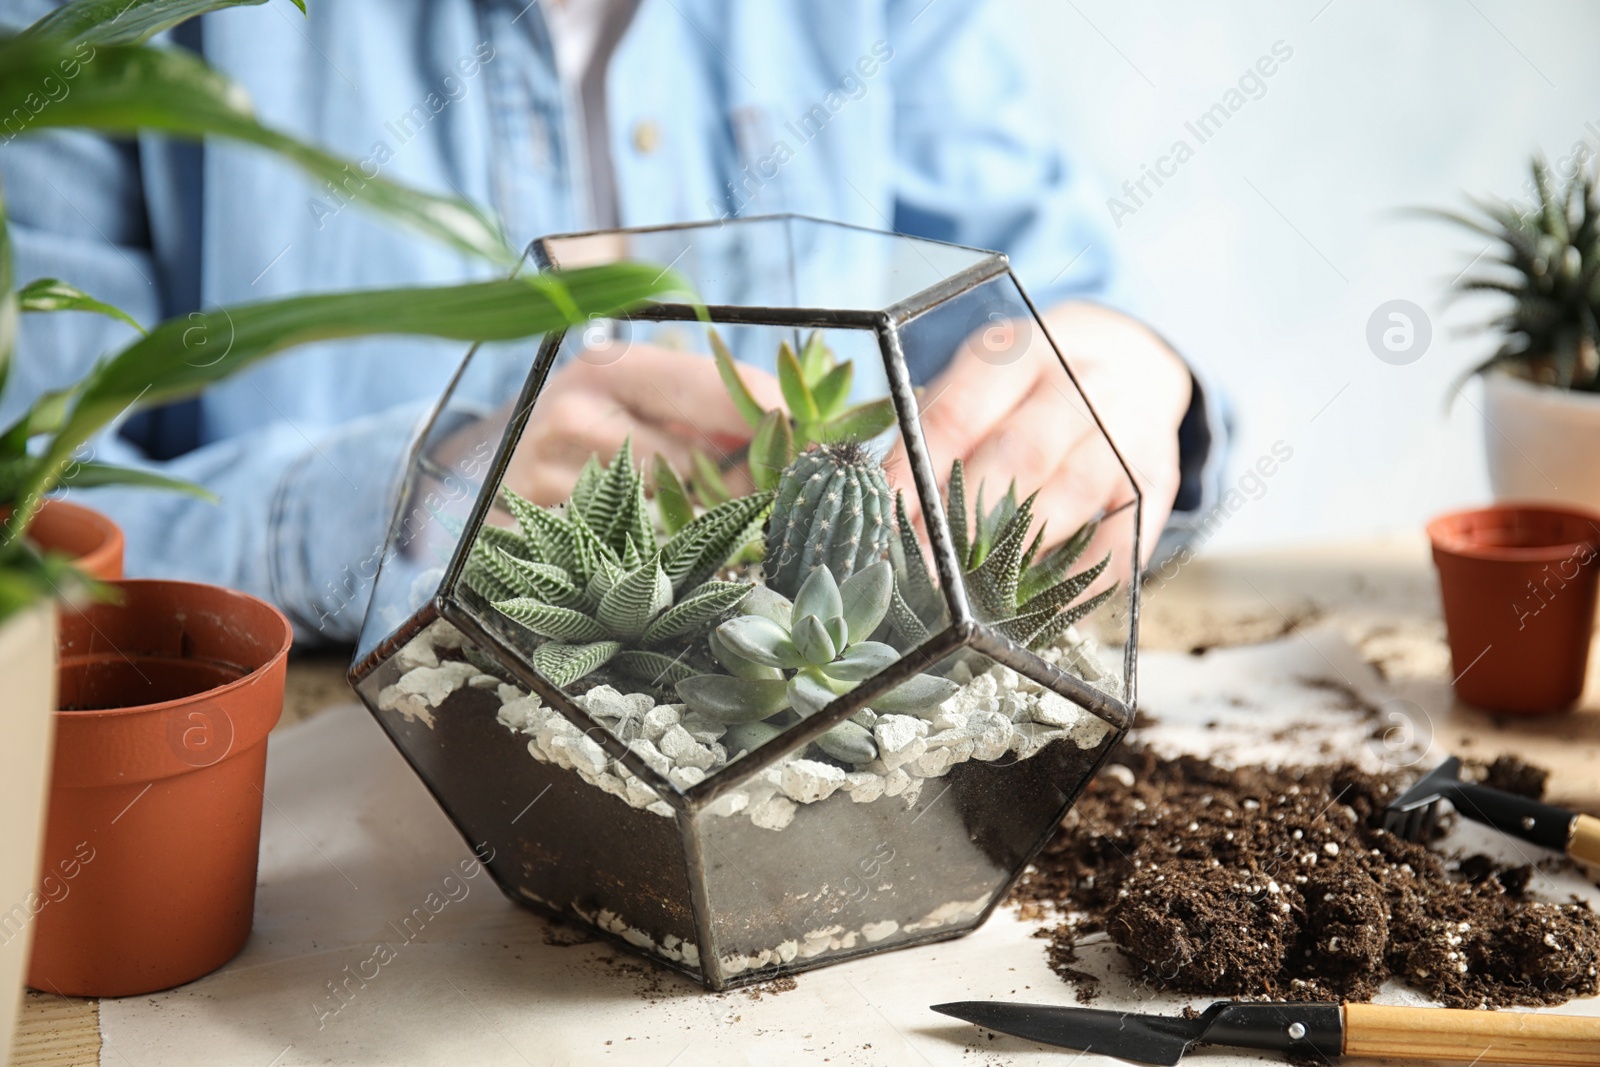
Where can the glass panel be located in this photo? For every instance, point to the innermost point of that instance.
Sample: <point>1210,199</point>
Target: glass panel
<point>442,486</point>
<point>812,871</point>
<point>1049,571</point>
<point>780,261</point>
<point>631,558</point>
<point>501,764</point>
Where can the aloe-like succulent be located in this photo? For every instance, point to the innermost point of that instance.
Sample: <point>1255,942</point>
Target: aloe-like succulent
<point>1548,262</point>
<point>594,582</point>
<point>1026,596</point>
<point>832,510</point>
<point>799,655</point>
<point>816,410</point>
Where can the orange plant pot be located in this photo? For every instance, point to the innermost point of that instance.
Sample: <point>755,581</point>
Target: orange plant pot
<point>154,820</point>
<point>93,541</point>
<point>1518,583</point>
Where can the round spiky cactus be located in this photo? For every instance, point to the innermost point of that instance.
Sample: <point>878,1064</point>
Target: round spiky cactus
<point>833,508</point>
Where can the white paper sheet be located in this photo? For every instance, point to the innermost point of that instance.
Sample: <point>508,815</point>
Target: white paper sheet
<point>352,845</point>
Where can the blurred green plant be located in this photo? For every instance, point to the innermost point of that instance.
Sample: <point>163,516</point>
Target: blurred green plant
<point>1549,257</point>
<point>817,410</point>
<point>122,85</point>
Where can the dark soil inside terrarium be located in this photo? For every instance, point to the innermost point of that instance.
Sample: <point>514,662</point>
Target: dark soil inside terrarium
<point>1282,883</point>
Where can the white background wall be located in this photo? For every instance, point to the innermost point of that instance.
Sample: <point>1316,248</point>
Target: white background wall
<point>1268,252</point>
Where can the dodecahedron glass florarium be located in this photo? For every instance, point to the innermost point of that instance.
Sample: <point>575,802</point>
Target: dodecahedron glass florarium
<point>714,627</point>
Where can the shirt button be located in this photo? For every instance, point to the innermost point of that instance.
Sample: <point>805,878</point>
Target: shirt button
<point>646,137</point>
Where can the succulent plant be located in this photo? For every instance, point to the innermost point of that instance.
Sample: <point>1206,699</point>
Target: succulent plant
<point>1021,594</point>
<point>832,510</point>
<point>799,655</point>
<point>816,393</point>
<point>1550,257</point>
<point>593,581</point>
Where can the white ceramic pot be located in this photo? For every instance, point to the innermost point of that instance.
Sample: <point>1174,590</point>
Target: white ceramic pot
<point>1542,443</point>
<point>28,699</point>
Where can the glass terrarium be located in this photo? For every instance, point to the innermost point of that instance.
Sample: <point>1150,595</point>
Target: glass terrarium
<point>700,636</point>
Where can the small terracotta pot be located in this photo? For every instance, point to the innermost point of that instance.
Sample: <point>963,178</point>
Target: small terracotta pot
<point>1518,583</point>
<point>155,803</point>
<point>93,541</point>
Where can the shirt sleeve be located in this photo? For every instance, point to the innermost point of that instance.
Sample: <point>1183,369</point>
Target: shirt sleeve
<point>976,165</point>
<point>300,519</point>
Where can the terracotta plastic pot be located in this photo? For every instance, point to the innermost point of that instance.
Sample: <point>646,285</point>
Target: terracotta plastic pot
<point>1518,583</point>
<point>155,804</point>
<point>93,541</point>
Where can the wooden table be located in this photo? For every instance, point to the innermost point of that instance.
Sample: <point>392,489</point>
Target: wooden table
<point>1380,593</point>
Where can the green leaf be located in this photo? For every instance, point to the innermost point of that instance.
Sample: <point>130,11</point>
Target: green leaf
<point>861,660</point>
<point>89,475</point>
<point>547,620</point>
<point>708,479</point>
<point>749,408</point>
<point>126,21</point>
<point>865,596</point>
<point>919,693</point>
<point>705,605</point>
<point>652,668</point>
<point>128,89</point>
<point>956,512</point>
<point>811,638</point>
<point>1050,569</point>
<point>908,625</point>
<point>796,393</point>
<point>590,476</point>
<point>771,450</point>
<point>764,600</point>
<point>52,294</point>
<point>180,357</point>
<point>705,544</point>
<point>862,422</point>
<point>737,665</point>
<point>565,664</point>
<point>809,694</point>
<point>553,534</point>
<point>818,595</point>
<point>998,577</point>
<point>834,389</point>
<point>8,299</point>
<point>816,361</point>
<point>1057,625</point>
<point>760,640</point>
<point>910,566</point>
<point>607,510</point>
<point>542,581</point>
<point>733,700</point>
<point>672,500</point>
<point>630,605</point>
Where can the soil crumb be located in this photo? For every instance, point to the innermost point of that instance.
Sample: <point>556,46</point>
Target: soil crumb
<point>772,988</point>
<point>1282,883</point>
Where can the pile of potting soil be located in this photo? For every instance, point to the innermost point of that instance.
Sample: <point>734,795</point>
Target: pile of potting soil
<point>1282,884</point>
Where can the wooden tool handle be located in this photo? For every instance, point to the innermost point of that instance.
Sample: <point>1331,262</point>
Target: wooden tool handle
<point>1471,1036</point>
<point>1584,846</point>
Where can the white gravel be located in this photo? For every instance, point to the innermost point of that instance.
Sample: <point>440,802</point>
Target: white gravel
<point>995,715</point>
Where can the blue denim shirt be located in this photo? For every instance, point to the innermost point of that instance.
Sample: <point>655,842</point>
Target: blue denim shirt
<point>914,116</point>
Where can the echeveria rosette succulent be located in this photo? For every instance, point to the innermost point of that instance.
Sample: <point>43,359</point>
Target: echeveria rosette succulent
<point>801,655</point>
<point>593,581</point>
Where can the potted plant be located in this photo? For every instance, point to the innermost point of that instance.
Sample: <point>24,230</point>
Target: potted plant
<point>1542,384</point>
<point>739,715</point>
<point>167,689</point>
<point>1518,579</point>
